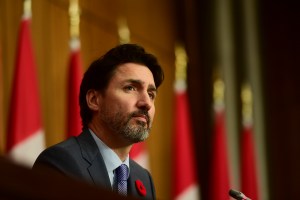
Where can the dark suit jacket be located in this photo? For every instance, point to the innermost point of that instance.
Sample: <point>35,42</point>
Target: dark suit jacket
<point>79,157</point>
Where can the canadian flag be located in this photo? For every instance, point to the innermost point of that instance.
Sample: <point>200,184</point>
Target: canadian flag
<point>74,79</point>
<point>185,185</point>
<point>25,134</point>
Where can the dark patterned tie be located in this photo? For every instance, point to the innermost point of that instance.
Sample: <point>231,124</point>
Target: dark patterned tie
<point>121,174</point>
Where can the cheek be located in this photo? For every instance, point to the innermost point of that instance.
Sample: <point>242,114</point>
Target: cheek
<point>152,112</point>
<point>111,105</point>
<point>121,106</point>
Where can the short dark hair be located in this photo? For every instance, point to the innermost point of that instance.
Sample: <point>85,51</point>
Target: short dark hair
<point>101,70</point>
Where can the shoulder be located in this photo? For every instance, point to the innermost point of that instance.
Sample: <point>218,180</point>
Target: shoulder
<point>135,166</point>
<point>59,156</point>
<point>70,151</point>
<point>139,171</point>
<point>61,148</point>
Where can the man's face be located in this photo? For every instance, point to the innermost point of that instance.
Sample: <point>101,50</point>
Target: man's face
<point>127,105</point>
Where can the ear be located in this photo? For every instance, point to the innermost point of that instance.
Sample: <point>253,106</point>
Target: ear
<point>93,99</point>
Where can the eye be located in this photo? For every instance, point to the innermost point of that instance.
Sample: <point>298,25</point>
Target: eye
<point>129,88</point>
<point>152,95</point>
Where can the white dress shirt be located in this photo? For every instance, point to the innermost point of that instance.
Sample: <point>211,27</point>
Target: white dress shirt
<point>111,159</point>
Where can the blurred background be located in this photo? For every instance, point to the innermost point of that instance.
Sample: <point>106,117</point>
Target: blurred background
<point>238,43</point>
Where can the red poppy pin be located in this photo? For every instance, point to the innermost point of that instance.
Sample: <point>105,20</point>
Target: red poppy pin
<point>140,188</point>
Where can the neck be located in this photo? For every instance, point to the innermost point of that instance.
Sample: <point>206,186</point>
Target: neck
<point>114,141</point>
<point>122,153</point>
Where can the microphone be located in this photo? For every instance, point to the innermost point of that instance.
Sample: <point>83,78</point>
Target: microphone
<point>238,195</point>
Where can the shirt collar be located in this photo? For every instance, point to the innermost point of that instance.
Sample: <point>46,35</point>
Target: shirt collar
<point>111,159</point>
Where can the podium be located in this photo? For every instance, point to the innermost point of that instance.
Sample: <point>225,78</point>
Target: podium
<point>18,182</point>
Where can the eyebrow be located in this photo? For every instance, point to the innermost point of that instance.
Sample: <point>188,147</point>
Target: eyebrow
<point>135,81</point>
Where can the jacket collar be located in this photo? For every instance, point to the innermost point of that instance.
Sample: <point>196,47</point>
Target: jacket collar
<point>91,154</point>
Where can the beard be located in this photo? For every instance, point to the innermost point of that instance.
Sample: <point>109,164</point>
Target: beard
<point>125,126</point>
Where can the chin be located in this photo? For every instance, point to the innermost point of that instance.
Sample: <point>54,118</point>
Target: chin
<point>139,139</point>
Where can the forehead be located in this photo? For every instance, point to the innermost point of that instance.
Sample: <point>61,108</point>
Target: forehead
<point>133,71</point>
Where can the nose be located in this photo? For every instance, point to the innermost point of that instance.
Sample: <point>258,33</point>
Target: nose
<point>144,102</point>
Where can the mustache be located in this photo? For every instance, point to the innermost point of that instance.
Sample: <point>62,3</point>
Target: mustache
<point>141,112</point>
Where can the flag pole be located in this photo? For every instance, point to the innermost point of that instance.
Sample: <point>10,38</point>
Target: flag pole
<point>123,31</point>
<point>180,67</point>
<point>74,14</point>
<point>27,9</point>
<point>218,91</point>
<point>246,97</point>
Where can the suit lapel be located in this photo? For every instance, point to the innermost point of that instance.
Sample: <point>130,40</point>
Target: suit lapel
<point>139,174</point>
<point>131,184</point>
<point>92,155</point>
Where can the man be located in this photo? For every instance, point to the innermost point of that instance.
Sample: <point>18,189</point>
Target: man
<point>116,100</point>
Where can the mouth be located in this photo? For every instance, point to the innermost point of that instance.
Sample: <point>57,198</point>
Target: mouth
<point>143,118</point>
